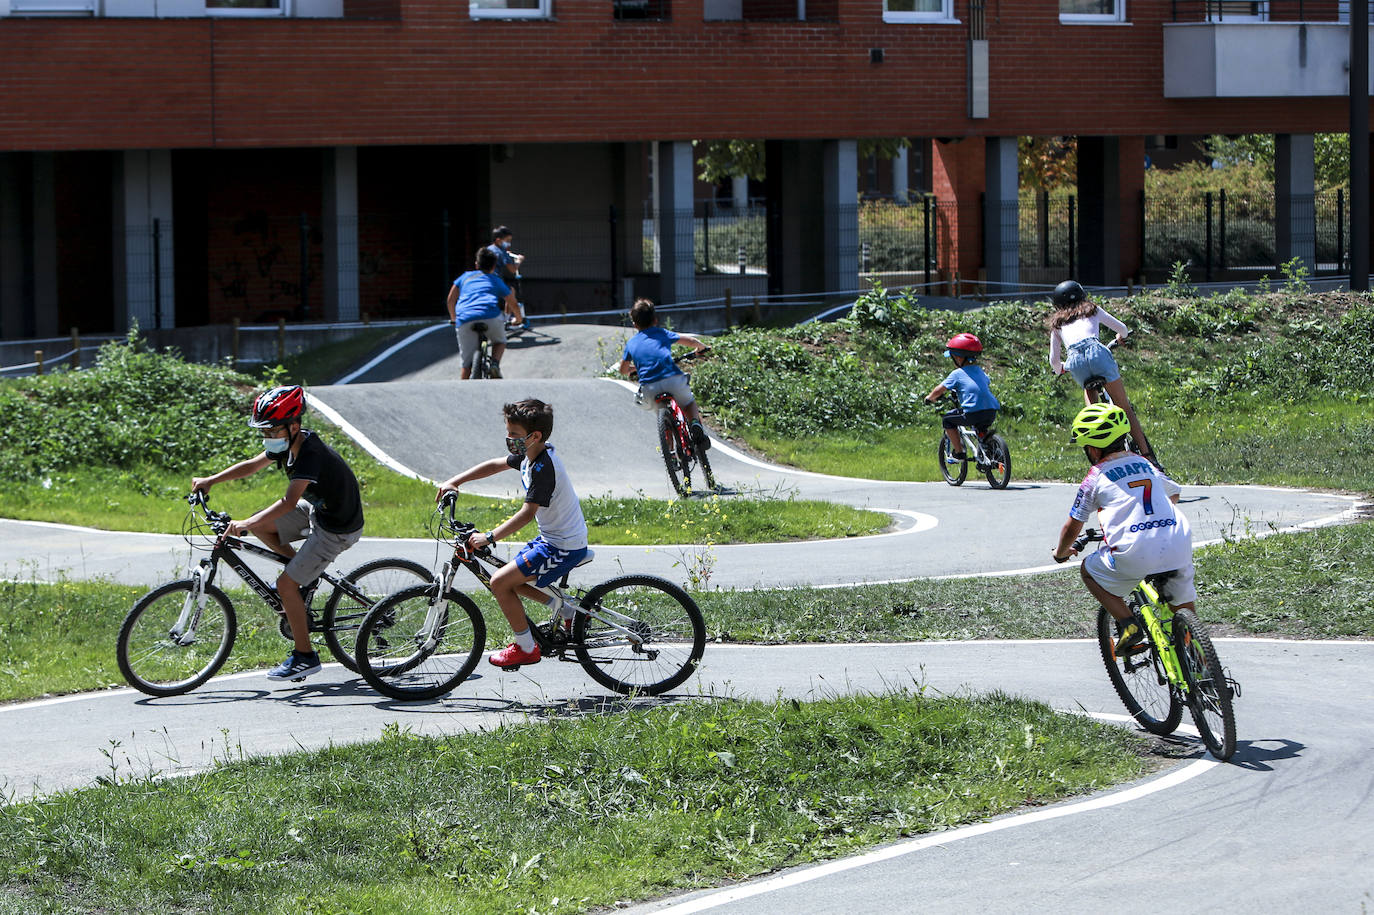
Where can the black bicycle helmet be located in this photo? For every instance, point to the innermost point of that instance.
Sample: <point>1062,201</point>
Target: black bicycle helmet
<point>1069,292</point>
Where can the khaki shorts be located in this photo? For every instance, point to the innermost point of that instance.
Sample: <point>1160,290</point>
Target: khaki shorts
<point>467,337</point>
<point>1177,590</point>
<point>321,547</point>
<point>677,385</point>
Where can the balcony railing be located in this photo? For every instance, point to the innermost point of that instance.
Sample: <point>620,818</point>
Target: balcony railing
<point>1262,11</point>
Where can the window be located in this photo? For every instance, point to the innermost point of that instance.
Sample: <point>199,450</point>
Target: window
<point>243,7</point>
<point>918,11</point>
<point>1092,11</point>
<point>641,9</point>
<point>510,9</point>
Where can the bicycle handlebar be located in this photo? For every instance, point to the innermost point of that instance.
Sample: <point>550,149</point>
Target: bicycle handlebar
<point>1090,535</point>
<point>219,521</point>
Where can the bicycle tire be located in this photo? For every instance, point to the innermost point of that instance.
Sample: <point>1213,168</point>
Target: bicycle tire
<point>942,454</point>
<point>1209,690</point>
<point>1140,681</point>
<point>481,361</point>
<point>165,667</point>
<point>707,475</point>
<point>667,443</point>
<point>648,606</point>
<point>344,613</point>
<point>398,661</point>
<point>995,447</point>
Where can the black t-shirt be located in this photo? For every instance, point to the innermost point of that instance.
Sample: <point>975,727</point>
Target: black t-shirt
<point>333,489</point>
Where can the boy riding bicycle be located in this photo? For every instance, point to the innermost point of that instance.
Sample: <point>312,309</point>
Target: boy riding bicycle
<point>977,406</point>
<point>549,500</point>
<point>650,353</point>
<point>1143,534</point>
<point>322,504</point>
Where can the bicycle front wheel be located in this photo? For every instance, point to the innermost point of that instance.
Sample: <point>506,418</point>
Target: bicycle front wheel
<point>170,643</point>
<point>639,634</point>
<point>707,475</point>
<point>410,647</point>
<point>359,592</point>
<point>1209,690</point>
<point>999,461</point>
<point>1140,681</point>
<point>678,474</point>
<point>954,473</point>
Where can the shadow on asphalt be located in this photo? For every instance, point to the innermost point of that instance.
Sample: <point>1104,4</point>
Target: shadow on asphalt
<point>1251,755</point>
<point>568,707</point>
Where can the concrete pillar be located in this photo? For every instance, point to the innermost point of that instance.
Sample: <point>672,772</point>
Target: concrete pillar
<point>958,174</point>
<point>339,212</point>
<point>142,194</point>
<point>1132,184</point>
<point>900,170</point>
<point>14,310</point>
<point>840,206</point>
<point>677,262</point>
<point>1001,216</point>
<point>739,192</point>
<point>1295,230</point>
<point>1099,211</point>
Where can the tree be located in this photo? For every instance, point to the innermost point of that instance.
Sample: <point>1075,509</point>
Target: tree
<point>721,160</point>
<point>1047,163</point>
<point>1331,152</point>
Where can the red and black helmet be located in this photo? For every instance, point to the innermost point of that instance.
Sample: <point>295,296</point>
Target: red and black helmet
<point>964,343</point>
<point>278,407</point>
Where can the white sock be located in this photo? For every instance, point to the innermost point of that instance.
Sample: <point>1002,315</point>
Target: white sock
<point>524,640</point>
<point>561,607</point>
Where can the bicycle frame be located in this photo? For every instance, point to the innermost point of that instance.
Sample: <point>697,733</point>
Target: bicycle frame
<point>973,441</point>
<point>1158,617</point>
<point>667,402</point>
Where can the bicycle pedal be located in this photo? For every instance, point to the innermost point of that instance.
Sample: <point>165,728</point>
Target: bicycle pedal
<point>513,667</point>
<point>298,679</point>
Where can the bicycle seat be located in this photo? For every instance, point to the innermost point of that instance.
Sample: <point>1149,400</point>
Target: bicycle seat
<point>592,555</point>
<point>480,327</point>
<point>1159,578</point>
<point>1096,381</point>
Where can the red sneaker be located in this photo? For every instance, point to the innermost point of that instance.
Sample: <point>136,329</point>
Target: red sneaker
<point>512,656</point>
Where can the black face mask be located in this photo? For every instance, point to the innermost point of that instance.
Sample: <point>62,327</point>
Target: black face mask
<point>516,445</point>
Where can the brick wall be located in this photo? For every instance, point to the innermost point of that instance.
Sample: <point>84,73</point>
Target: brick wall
<point>112,83</point>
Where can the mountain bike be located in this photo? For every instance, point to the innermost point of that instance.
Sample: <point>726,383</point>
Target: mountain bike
<point>632,634</point>
<point>1175,665</point>
<point>180,633</point>
<point>984,448</point>
<point>680,451</point>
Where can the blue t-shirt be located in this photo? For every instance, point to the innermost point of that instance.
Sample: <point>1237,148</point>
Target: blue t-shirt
<point>479,296</point>
<point>505,264</point>
<point>651,350</point>
<point>971,384</point>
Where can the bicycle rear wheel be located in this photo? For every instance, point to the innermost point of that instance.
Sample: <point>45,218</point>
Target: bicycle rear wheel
<point>481,362</point>
<point>647,636</point>
<point>343,614</point>
<point>167,646</point>
<point>1140,680</point>
<point>1209,690</point>
<point>678,473</point>
<point>954,473</point>
<point>999,456</point>
<point>407,652</point>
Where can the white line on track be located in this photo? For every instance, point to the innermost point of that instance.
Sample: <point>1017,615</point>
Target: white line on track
<point>389,352</point>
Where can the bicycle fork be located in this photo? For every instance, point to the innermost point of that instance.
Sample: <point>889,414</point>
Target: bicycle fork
<point>183,632</point>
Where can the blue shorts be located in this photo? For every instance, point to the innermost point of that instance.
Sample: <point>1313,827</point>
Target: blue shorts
<point>1087,358</point>
<point>546,563</point>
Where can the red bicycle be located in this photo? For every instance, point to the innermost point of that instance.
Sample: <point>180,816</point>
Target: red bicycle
<point>681,454</point>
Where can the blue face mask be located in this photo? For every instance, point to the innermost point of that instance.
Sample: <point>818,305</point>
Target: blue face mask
<point>275,445</point>
<point>505,246</point>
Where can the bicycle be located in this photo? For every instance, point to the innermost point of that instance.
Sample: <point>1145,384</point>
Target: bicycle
<point>180,633</point>
<point>675,442</point>
<point>482,361</point>
<point>1175,665</point>
<point>632,634</point>
<point>1096,388</point>
<point>985,448</point>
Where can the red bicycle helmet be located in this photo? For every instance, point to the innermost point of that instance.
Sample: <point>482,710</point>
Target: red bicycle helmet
<point>278,407</point>
<point>966,343</point>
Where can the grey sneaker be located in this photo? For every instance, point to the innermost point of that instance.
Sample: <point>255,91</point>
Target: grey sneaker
<point>297,666</point>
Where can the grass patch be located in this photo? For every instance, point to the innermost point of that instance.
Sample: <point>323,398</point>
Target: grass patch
<point>327,363</point>
<point>1313,584</point>
<point>559,815</point>
<point>1234,388</point>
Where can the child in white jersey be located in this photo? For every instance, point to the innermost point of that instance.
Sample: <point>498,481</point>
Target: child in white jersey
<point>1074,347</point>
<point>1143,530</point>
<point>549,500</point>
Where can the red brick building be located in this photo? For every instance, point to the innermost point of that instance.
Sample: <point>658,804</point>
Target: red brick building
<point>189,161</point>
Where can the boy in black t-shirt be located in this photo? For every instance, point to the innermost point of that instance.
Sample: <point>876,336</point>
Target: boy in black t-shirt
<point>322,504</point>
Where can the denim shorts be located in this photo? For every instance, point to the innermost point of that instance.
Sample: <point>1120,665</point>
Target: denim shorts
<point>1087,358</point>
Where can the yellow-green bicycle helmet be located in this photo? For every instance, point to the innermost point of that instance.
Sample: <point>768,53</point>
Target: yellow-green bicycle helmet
<point>1099,425</point>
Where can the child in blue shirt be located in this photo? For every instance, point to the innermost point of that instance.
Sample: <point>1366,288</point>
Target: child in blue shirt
<point>650,353</point>
<point>977,406</point>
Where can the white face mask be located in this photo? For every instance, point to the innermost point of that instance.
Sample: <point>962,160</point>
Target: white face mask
<point>275,445</point>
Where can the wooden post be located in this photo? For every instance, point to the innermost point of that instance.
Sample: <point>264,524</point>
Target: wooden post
<point>729,308</point>
<point>76,348</point>
<point>1130,288</point>
<point>38,358</point>
<point>234,347</point>
<point>281,340</point>
<point>367,319</point>
<point>758,315</point>
<point>956,284</point>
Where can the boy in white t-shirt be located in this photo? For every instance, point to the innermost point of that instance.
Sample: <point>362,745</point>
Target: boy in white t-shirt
<point>1142,528</point>
<point>549,500</point>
